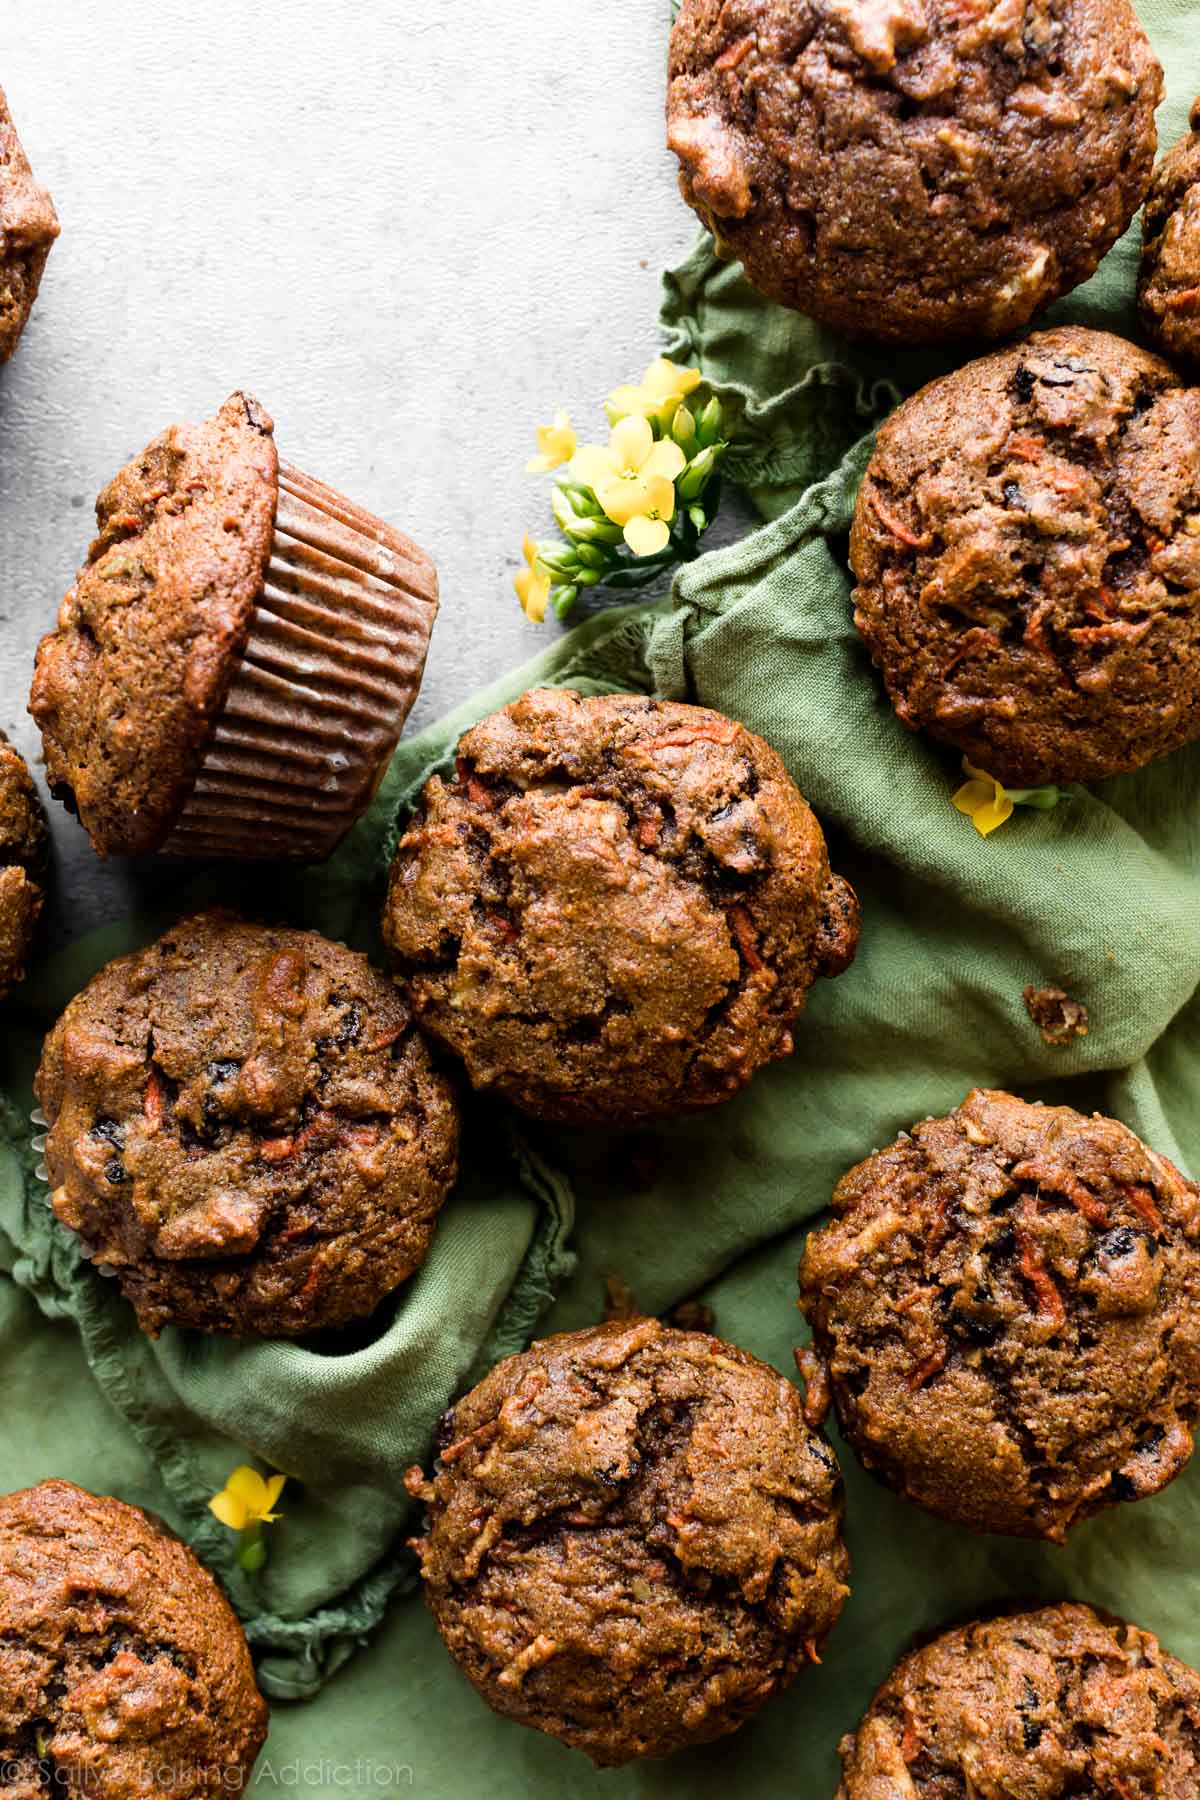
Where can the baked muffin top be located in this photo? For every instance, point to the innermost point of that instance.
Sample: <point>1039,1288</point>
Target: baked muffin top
<point>1169,286</point>
<point>1039,1704</point>
<point>616,909</point>
<point>22,859</point>
<point>634,1540</point>
<point>119,1656</point>
<point>28,228</point>
<point>1006,1311</point>
<point>1027,548</point>
<point>128,686</point>
<point>246,1130</point>
<point>914,170</point>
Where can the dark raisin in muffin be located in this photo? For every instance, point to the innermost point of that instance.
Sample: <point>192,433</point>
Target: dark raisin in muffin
<point>121,1662</point>
<point>28,228</point>
<point>1006,1312</point>
<point>1169,286</point>
<point>1027,547</point>
<point>22,862</point>
<point>914,170</point>
<point>634,1540</point>
<point>246,1130</point>
<point>617,908</point>
<point>1040,1704</point>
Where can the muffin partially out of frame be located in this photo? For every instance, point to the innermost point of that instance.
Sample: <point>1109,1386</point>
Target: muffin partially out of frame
<point>246,1130</point>
<point>1169,285</point>
<point>616,908</point>
<point>22,860</point>
<point>1063,1700</point>
<point>634,1540</point>
<point>1006,1313</point>
<point>123,1671</point>
<point>233,667</point>
<point>1027,547</point>
<point>28,228</point>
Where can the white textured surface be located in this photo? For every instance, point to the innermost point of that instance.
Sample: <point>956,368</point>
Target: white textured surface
<point>411,228</point>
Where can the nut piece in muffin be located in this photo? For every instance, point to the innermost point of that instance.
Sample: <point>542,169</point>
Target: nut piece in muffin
<point>234,664</point>
<point>1027,548</point>
<point>120,1658</point>
<point>634,1540</point>
<point>1063,1700</point>
<point>22,861</point>
<point>914,170</point>
<point>246,1130</point>
<point>617,908</point>
<point>1169,285</point>
<point>1006,1313</point>
<point>28,228</point>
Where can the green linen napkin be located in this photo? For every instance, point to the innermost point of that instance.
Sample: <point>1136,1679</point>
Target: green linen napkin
<point>1101,897</point>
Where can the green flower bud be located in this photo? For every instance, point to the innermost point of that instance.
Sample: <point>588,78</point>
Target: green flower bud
<point>559,559</point>
<point>582,499</point>
<point>710,427</point>
<point>563,599</point>
<point>592,557</point>
<point>699,517</point>
<point>588,578</point>
<point>698,474</point>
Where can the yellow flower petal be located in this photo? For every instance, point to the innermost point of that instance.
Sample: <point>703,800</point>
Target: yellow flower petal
<point>533,591</point>
<point>232,1512</point>
<point>529,550</point>
<point>646,537</point>
<point>972,796</point>
<point>660,496</point>
<point>666,459</point>
<point>990,817</point>
<point>668,381</point>
<point>625,498</point>
<point>630,445</point>
<point>248,1485</point>
<point>556,445</point>
<point>592,465</point>
<point>275,1487</point>
<point>629,399</point>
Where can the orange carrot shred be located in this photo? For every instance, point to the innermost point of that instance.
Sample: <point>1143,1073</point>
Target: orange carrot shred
<point>1142,1201</point>
<point>893,524</point>
<point>743,931</point>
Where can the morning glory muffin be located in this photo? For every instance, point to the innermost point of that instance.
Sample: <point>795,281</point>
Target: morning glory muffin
<point>1064,1700</point>
<point>633,1539</point>
<point>245,1130</point>
<point>1169,287</point>
<point>615,909</point>
<point>234,664</point>
<point>28,228</point>
<point>120,1658</point>
<point>22,859</point>
<point>914,170</point>
<point>1006,1313</point>
<point>1027,547</point>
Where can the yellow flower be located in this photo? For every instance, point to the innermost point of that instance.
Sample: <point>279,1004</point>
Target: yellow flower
<point>247,1499</point>
<point>984,801</point>
<point>634,481</point>
<point>532,583</point>
<point>663,383</point>
<point>556,445</point>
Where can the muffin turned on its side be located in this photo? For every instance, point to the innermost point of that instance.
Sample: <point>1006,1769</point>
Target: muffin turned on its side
<point>914,170</point>
<point>123,1670</point>
<point>234,664</point>
<point>634,1540</point>
<point>617,908</point>
<point>1027,548</point>
<point>1064,1700</point>
<point>246,1131</point>
<point>1006,1313</point>
<point>22,860</point>
<point>1169,285</point>
<point>28,228</point>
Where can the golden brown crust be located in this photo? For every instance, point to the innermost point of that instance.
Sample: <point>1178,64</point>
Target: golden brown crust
<point>28,228</point>
<point>1006,1310</point>
<point>617,908</point>
<point>120,1659</point>
<point>1027,548</point>
<point>1169,284</point>
<point>22,859</point>
<point>128,687</point>
<point>246,1129</point>
<point>634,1540</point>
<point>914,170</point>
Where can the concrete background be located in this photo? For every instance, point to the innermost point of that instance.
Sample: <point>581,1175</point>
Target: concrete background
<point>412,229</point>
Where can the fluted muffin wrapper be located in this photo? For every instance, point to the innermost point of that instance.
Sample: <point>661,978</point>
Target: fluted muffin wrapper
<point>43,1174</point>
<point>329,674</point>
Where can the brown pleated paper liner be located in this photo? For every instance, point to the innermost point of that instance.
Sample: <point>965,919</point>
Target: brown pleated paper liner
<point>329,674</point>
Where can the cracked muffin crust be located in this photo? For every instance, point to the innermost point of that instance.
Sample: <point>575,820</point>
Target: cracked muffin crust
<point>634,1540</point>
<point>128,686</point>
<point>913,170</point>
<point>28,228</point>
<point>120,1658</point>
<point>617,908</point>
<point>1006,1311</point>
<point>246,1130</point>
<point>1043,1704</point>
<point>1169,284</point>
<point>22,860</point>
<point>1027,548</point>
